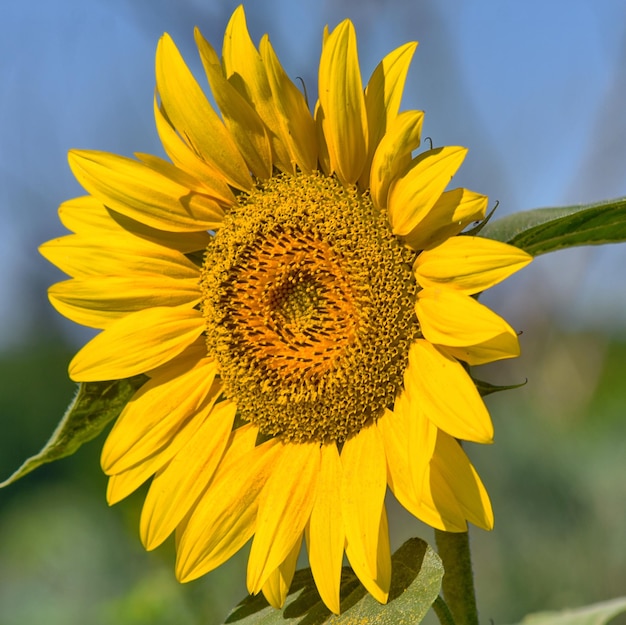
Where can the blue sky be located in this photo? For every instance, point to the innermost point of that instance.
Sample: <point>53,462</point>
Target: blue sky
<point>535,89</point>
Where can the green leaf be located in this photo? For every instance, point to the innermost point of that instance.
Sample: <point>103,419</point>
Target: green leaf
<point>549,229</point>
<point>95,405</point>
<point>596,614</point>
<point>486,388</point>
<point>415,584</point>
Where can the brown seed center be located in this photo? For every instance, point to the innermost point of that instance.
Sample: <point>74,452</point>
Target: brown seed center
<point>288,298</point>
<point>308,300</point>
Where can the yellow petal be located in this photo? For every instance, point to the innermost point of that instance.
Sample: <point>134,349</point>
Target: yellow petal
<point>113,254</point>
<point>277,585</point>
<point>448,395</point>
<point>325,35</point>
<point>408,470</point>
<point>137,343</point>
<point>325,534</point>
<point>454,319</point>
<point>190,356</point>
<point>377,586</point>
<point>383,579</point>
<point>169,170</point>
<point>341,97</point>
<point>497,348</point>
<point>419,436</point>
<point>224,518</point>
<point>392,427</point>
<point>242,121</point>
<point>193,117</point>
<point>120,485</point>
<point>185,158</point>
<point>157,412</point>
<point>469,264</point>
<point>439,505</point>
<point>125,482</point>
<point>176,487</point>
<point>383,95</point>
<point>284,509</point>
<point>99,301</point>
<point>318,116</point>
<point>241,441</point>
<point>452,212</point>
<point>93,257</point>
<point>483,353</point>
<point>158,199</point>
<point>363,486</point>
<point>394,153</point>
<point>88,216</point>
<point>455,468</point>
<point>324,157</point>
<point>412,196</point>
<point>245,70</point>
<point>296,125</point>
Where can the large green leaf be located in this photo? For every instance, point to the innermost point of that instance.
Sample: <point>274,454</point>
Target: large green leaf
<point>95,405</point>
<point>596,614</point>
<point>415,584</point>
<point>549,229</point>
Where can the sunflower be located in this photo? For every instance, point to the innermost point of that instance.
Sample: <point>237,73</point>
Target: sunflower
<point>298,291</point>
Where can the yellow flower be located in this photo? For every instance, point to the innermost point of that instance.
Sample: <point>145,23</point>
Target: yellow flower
<point>296,289</point>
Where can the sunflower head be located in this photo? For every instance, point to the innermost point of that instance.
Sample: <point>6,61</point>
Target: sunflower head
<point>297,288</point>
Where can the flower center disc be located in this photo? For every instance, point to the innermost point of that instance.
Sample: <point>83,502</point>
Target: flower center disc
<point>309,306</point>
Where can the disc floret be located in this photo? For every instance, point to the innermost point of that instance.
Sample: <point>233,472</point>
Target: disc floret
<point>308,300</point>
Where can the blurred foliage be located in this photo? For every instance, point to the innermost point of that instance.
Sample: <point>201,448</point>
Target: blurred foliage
<point>35,392</point>
<point>555,476</point>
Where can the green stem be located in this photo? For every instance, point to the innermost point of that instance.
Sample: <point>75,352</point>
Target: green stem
<point>443,612</point>
<point>458,580</point>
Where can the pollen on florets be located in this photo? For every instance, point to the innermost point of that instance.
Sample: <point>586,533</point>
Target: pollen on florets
<point>308,300</point>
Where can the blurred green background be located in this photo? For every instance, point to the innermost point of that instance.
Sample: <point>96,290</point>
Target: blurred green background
<point>535,89</point>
